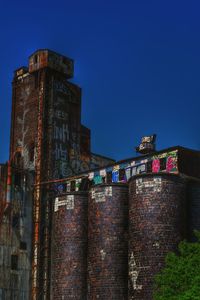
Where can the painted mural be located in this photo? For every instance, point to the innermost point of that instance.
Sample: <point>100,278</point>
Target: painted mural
<point>121,172</point>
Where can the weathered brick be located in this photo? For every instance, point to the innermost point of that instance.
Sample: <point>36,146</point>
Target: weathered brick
<point>157,219</point>
<point>107,242</point>
<point>69,248</point>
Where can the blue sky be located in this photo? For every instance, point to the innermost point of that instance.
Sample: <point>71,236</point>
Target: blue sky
<point>138,63</point>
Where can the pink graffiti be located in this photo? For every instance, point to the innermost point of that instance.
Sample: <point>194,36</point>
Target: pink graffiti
<point>156,166</point>
<point>171,164</point>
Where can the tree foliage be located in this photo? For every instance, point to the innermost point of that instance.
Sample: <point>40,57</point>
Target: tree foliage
<point>180,279</point>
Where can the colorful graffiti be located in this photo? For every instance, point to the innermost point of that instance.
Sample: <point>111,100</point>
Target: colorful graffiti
<point>164,162</point>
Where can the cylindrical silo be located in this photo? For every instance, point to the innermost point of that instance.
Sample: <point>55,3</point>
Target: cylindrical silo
<point>107,242</point>
<point>69,247</point>
<point>193,208</point>
<point>157,215</point>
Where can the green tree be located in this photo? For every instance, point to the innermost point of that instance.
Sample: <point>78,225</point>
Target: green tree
<point>180,279</point>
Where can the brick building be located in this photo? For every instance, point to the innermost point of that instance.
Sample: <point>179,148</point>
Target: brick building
<point>77,225</point>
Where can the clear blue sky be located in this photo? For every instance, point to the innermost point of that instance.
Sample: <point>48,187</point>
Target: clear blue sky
<point>138,63</point>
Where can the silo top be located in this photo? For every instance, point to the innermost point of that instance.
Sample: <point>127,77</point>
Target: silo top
<point>46,58</point>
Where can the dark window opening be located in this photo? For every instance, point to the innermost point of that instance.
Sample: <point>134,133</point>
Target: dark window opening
<point>14,262</point>
<point>17,179</point>
<point>23,245</point>
<point>16,221</point>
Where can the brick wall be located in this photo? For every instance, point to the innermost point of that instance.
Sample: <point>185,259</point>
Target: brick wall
<point>157,225</point>
<point>107,242</point>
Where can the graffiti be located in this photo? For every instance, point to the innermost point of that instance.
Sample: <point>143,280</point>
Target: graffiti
<point>171,164</point>
<point>141,169</point>
<point>128,173</point>
<point>155,184</point>
<point>134,271</point>
<point>59,114</point>
<point>77,165</point>
<point>66,135</point>
<point>25,151</point>
<point>98,179</point>
<point>61,133</point>
<point>67,201</point>
<point>103,254</point>
<point>60,153</point>
<point>61,87</point>
<point>108,191</point>
<point>156,166</point>
<point>101,196</point>
<point>164,162</point>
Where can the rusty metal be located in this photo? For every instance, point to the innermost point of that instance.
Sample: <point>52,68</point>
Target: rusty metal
<point>157,221</point>
<point>69,247</point>
<point>107,242</point>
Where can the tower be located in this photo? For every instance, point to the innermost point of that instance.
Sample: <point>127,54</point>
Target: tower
<point>47,142</point>
<point>46,117</point>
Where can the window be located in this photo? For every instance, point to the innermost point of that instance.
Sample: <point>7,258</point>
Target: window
<point>14,262</point>
<point>23,245</point>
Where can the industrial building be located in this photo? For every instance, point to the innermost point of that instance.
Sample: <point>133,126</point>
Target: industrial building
<point>77,225</point>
